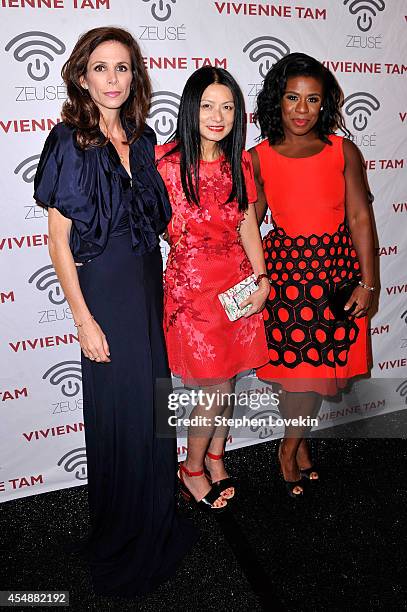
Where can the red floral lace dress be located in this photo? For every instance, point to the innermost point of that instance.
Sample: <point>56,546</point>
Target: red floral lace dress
<point>207,258</point>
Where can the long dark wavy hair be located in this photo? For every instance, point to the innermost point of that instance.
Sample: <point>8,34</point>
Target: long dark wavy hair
<point>80,111</point>
<point>267,114</point>
<point>188,140</point>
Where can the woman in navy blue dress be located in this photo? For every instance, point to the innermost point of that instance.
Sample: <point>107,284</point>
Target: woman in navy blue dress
<point>107,206</point>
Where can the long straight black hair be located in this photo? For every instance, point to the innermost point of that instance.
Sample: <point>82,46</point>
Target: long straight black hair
<point>188,139</point>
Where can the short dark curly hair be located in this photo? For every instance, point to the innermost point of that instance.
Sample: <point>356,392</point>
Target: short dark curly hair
<point>267,114</point>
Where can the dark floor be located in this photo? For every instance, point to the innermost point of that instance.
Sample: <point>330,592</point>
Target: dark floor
<point>343,547</point>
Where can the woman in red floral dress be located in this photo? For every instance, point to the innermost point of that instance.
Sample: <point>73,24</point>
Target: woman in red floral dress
<point>215,243</point>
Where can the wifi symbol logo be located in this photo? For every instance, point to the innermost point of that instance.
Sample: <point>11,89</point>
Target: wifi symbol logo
<point>368,10</point>
<point>36,45</point>
<point>68,374</point>
<point>264,430</point>
<point>164,109</point>
<point>45,278</point>
<point>266,50</point>
<point>360,106</point>
<point>402,390</point>
<point>75,460</point>
<point>29,167</point>
<point>163,11</point>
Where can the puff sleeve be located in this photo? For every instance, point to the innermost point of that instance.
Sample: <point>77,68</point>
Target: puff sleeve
<point>79,185</point>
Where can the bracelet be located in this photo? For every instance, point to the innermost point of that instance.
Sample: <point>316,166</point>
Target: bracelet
<point>260,276</point>
<point>366,286</point>
<point>83,322</point>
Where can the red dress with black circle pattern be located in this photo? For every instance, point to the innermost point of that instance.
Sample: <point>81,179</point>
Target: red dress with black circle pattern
<point>308,250</point>
<point>207,258</point>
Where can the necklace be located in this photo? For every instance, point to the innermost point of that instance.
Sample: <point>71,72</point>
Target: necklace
<point>109,137</point>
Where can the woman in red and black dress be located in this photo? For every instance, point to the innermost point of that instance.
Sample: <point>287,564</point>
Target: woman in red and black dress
<point>312,181</point>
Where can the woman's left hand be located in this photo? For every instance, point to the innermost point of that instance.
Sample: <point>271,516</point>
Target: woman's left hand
<point>363,300</point>
<point>258,299</point>
<point>165,236</point>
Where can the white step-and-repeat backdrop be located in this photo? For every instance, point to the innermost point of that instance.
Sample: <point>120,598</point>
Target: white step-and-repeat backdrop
<point>364,42</point>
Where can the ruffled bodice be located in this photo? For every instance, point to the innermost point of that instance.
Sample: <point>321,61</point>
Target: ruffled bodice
<point>92,188</point>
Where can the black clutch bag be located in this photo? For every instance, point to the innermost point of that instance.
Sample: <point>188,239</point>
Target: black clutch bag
<point>338,297</point>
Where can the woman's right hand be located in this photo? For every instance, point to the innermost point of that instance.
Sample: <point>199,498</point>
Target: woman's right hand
<point>93,342</point>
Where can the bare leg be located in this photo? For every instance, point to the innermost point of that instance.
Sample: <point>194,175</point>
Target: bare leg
<point>304,461</point>
<point>293,452</point>
<point>216,467</point>
<point>200,437</point>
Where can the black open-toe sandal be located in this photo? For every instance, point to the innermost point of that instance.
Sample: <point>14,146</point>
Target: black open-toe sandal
<point>290,486</point>
<point>310,474</point>
<point>225,483</point>
<point>206,503</point>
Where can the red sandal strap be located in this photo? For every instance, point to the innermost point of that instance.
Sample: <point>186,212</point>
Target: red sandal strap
<point>214,457</point>
<point>188,473</point>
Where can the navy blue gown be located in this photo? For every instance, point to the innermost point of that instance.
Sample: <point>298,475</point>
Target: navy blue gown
<point>136,538</point>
